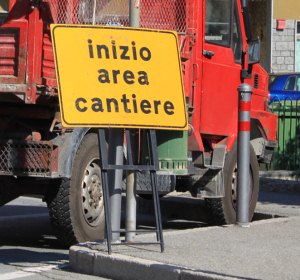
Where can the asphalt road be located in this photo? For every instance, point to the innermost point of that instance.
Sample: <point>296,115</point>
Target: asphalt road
<point>29,249</point>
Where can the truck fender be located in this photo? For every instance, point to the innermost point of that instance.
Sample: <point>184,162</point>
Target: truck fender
<point>258,138</point>
<point>262,146</point>
<point>68,145</point>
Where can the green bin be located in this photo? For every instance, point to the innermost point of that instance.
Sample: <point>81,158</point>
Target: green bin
<point>172,151</point>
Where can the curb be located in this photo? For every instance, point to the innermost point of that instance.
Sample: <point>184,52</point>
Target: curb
<point>280,174</point>
<point>280,181</point>
<point>85,260</point>
<point>92,258</point>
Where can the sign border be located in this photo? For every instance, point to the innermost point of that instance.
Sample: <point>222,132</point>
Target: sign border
<point>55,26</point>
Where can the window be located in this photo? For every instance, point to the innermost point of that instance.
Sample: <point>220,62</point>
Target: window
<point>298,84</point>
<point>4,7</point>
<point>217,25</point>
<point>237,38</point>
<point>290,83</point>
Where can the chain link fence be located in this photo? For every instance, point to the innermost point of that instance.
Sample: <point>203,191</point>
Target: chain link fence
<point>165,15</point>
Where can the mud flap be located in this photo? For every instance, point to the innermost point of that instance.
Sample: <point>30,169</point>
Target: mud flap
<point>212,181</point>
<point>211,185</point>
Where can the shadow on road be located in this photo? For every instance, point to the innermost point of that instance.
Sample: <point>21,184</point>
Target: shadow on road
<point>16,256</point>
<point>24,225</point>
<point>29,226</point>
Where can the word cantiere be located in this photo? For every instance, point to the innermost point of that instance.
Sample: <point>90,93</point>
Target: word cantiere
<point>124,104</point>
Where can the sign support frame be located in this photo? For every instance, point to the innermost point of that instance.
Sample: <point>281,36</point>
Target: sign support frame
<point>153,166</point>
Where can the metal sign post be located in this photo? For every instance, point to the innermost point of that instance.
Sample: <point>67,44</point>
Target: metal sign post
<point>130,220</point>
<point>152,167</point>
<point>115,180</point>
<point>243,161</point>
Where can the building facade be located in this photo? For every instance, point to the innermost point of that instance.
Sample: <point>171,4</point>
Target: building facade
<point>286,36</point>
<point>277,24</point>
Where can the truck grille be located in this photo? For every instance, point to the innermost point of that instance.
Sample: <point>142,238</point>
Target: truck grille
<point>167,14</point>
<point>26,158</point>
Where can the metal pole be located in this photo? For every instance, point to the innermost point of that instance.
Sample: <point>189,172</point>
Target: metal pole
<point>114,177</point>
<point>115,180</point>
<point>94,12</point>
<point>130,220</point>
<point>244,3</point>
<point>243,160</point>
<point>134,13</point>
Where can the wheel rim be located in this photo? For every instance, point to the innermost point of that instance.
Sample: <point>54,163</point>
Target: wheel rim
<point>234,187</point>
<point>91,193</point>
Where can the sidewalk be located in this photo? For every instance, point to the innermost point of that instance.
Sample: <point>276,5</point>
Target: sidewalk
<point>269,249</point>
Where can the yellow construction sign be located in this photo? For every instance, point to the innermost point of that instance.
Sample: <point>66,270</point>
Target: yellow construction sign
<point>119,77</point>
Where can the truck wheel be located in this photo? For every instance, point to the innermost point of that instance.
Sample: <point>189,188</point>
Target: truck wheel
<point>223,210</point>
<point>76,210</point>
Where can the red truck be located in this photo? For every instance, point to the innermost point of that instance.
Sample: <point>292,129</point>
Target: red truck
<point>38,156</point>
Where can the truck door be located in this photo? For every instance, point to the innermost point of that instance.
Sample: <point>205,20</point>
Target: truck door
<point>221,53</point>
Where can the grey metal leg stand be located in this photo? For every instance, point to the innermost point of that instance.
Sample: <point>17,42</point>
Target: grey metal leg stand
<point>152,167</point>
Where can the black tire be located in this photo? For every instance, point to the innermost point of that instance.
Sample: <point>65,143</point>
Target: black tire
<point>165,184</point>
<point>76,210</point>
<point>149,196</point>
<point>223,210</point>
